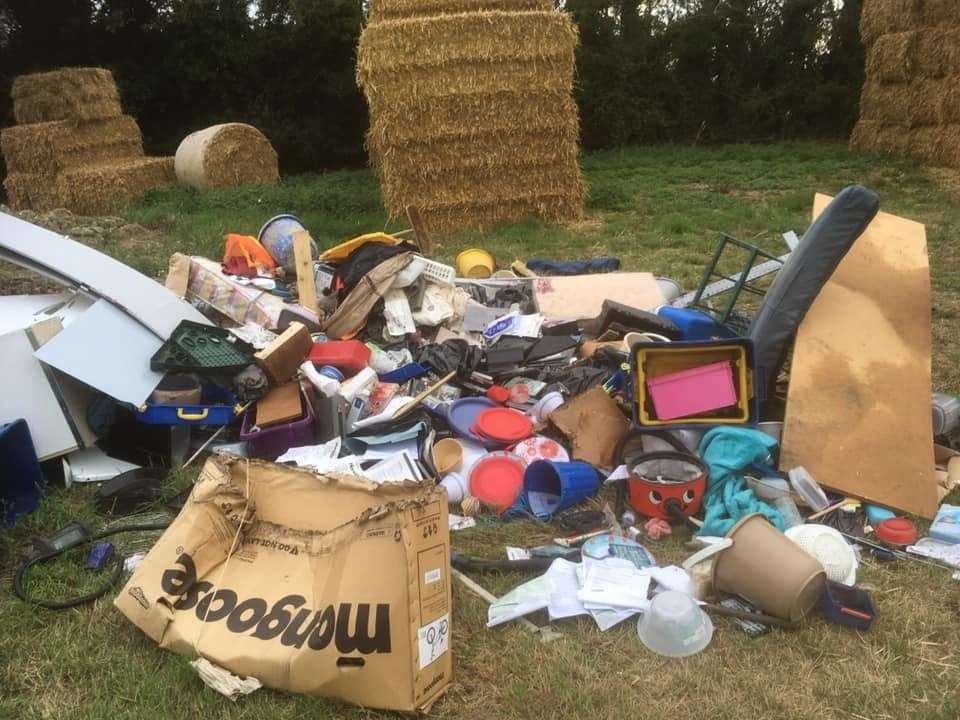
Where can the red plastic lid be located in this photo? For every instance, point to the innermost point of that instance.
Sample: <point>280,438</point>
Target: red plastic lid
<point>499,394</point>
<point>896,531</point>
<point>497,479</point>
<point>503,425</point>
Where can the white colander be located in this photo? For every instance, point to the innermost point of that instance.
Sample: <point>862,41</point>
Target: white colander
<point>829,548</point>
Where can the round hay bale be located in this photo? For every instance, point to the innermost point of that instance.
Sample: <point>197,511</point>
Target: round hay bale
<point>227,155</point>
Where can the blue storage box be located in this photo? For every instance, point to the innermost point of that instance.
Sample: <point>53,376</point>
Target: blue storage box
<point>217,407</point>
<point>22,484</point>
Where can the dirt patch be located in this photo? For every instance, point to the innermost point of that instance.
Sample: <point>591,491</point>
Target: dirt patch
<point>106,234</point>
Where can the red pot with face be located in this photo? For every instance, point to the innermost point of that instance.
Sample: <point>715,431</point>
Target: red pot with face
<point>667,485</point>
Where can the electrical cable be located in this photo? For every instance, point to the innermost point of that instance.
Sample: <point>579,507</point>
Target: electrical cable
<point>18,578</point>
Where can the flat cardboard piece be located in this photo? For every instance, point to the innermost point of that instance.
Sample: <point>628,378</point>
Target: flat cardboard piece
<point>858,408</point>
<point>576,297</point>
<point>281,358</point>
<point>74,263</point>
<point>338,586</point>
<point>280,405</point>
<point>25,392</point>
<point>594,425</point>
<point>107,350</point>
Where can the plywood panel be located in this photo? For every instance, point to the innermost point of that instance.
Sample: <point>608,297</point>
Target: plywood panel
<point>858,407</point>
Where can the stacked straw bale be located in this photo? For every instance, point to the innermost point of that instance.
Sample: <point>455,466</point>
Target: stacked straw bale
<point>910,104</point>
<point>73,147</point>
<point>471,116</point>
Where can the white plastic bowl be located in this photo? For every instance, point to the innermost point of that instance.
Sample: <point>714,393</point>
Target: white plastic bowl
<point>675,626</point>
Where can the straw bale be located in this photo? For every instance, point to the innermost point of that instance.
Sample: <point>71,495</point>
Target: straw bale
<point>395,9</point>
<point>65,94</point>
<point>463,117</point>
<point>494,152</point>
<point>427,43</point>
<point>934,144</point>
<point>102,189</point>
<point>26,191</point>
<point>480,216</point>
<point>941,13</point>
<point>48,148</point>
<point>558,186</point>
<point>882,17</point>
<point>891,59</point>
<point>227,155</point>
<point>421,88</point>
<point>919,103</point>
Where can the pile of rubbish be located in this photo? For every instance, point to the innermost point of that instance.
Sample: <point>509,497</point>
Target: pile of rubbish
<point>358,403</point>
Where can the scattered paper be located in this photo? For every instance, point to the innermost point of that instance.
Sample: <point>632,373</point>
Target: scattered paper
<point>524,599</point>
<point>396,312</point>
<point>615,583</point>
<point>516,553</point>
<point>395,469</point>
<point>133,562</point>
<point>223,681</point>
<point>308,455</point>
<point>460,522</point>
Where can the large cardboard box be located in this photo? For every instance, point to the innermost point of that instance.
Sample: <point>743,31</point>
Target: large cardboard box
<point>315,584</point>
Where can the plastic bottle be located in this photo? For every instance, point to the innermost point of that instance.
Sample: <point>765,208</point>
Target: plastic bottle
<point>788,508</point>
<point>363,382</point>
<point>325,385</point>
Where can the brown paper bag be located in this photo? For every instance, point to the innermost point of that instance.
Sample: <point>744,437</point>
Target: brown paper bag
<point>336,586</point>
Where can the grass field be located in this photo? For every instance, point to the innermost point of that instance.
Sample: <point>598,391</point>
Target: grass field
<point>660,210</point>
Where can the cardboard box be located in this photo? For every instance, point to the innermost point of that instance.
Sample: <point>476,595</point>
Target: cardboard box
<point>281,358</point>
<point>336,587</point>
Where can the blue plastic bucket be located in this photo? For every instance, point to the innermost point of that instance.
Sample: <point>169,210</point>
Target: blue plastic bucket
<point>549,487</point>
<point>276,236</point>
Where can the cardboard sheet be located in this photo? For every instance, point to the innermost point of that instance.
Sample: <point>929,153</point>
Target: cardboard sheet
<point>74,263</point>
<point>576,297</point>
<point>107,350</point>
<point>858,408</point>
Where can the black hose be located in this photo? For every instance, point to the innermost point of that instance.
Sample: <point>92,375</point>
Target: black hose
<point>18,579</point>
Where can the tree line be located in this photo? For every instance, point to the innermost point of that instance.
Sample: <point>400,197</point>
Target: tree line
<point>648,71</point>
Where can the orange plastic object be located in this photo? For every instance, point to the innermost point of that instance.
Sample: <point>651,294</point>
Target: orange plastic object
<point>251,251</point>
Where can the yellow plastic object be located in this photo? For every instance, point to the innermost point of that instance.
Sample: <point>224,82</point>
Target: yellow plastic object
<point>339,253</point>
<point>475,263</point>
<point>663,359</point>
<point>192,416</point>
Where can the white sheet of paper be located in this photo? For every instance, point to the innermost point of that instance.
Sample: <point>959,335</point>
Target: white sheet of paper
<point>398,468</point>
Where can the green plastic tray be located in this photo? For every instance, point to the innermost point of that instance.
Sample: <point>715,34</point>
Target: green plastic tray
<point>193,346</point>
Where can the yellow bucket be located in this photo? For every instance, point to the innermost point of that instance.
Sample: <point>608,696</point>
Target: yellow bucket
<point>475,263</point>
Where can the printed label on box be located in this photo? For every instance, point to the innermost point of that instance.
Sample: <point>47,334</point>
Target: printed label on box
<point>434,640</point>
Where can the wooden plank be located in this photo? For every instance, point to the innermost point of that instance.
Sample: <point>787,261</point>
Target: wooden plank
<point>420,230</point>
<point>306,281</point>
<point>858,407</point>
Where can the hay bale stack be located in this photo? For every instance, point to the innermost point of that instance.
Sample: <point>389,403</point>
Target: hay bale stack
<point>910,103</point>
<point>227,155</point>
<point>65,94</point>
<point>50,147</point>
<point>73,147</point>
<point>471,116</point>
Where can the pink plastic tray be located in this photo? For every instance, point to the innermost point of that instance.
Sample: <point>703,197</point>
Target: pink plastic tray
<point>694,391</point>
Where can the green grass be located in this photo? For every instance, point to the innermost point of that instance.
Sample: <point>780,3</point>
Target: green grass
<point>661,210</point>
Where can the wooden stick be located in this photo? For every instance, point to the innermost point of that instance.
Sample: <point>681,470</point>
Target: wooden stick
<point>420,230</point>
<point>546,632</point>
<point>306,281</point>
<point>406,409</point>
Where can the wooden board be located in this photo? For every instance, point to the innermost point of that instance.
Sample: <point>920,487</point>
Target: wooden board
<point>577,297</point>
<point>280,405</point>
<point>858,407</point>
<point>306,279</point>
